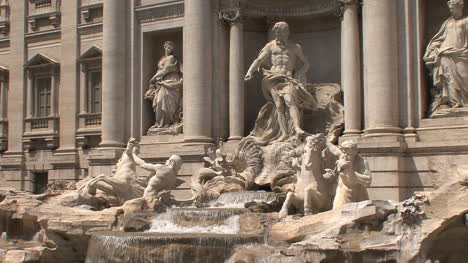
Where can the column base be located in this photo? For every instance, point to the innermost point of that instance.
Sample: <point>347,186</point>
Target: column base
<point>352,131</point>
<point>198,139</point>
<point>235,138</point>
<point>382,131</point>
<point>111,144</point>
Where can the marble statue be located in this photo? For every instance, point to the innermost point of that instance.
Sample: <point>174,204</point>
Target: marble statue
<point>230,172</point>
<point>218,166</point>
<point>311,189</point>
<point>283,87</point>
<point>124,184</point>
<point>165,92</point>
<point>353,174</point>
<point>163,177</point>
<point>447,58</point>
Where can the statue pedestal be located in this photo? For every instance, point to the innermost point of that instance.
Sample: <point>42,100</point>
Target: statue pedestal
<point>450,112</point>
<point>175,129</point>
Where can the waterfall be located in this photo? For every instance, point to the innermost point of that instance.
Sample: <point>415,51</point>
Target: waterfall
<point>195,220</point>
<point>238,199</point>
<point>113,247</point>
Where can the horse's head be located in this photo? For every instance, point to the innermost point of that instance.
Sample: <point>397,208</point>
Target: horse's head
<point>316,142</point>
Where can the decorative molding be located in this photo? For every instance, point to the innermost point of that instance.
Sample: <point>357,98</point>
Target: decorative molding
<point>154,13</point>
<point>4,17</point>
<point>288,8</point>
<point>42,10</point>
<point>231,17</point>
<point>344,5</point>
<point>87,10</point>
<point>41,36</point>
<point>89,29</point>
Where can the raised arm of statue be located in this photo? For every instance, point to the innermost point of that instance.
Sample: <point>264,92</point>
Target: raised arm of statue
<point>334,149</point>
<point>144,165</point>
<point>258,62</point>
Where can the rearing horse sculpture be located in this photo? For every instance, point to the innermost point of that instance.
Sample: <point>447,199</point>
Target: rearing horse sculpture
<point>123,184</point>
<point>311,191</point>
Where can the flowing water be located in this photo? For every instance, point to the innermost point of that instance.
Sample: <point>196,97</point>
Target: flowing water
<point>238,199</point>
<point>192,235</point>
<point>148,247</point>
<point>199,220</point>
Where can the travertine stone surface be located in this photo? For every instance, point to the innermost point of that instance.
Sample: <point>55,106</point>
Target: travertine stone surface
<point>236,72</point>
<point>114,74</point>
<point>16,61</point>
<point>67,93</point>
<point>380,66</point>
<point>351,67</point>
<point>198,70</point>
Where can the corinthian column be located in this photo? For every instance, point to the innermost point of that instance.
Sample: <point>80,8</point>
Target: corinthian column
<point>236,74</point>
<point>351,67</point>
<point>381,66</point>
<point>114,73</point>
<point>198,56</point>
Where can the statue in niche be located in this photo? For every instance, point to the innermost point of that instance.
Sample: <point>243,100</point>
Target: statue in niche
<point>165,92</point>
<point>283,87</point>
<point>447,58</point>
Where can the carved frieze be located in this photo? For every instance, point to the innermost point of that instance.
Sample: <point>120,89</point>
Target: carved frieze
<point>147,14</point>
<point>280,8</point>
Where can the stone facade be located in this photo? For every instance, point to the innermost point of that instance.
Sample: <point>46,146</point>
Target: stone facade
<point>97,57</point>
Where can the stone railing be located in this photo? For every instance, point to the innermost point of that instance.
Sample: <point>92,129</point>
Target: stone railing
<point>43,10</point>
<point>43,129</point>
<point>37,7</point>
<point>3,134</point>
<point>89,128</point>
<point>92,119</point>
<point>4,17</point>
<point>39,123</point>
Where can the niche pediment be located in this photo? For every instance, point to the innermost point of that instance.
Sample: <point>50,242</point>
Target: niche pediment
<point>93,53</point>
<point>40,60</point>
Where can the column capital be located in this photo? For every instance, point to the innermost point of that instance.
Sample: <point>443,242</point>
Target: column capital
<point>30,74</point>
<point>348,2</point>
<point>231,17</point>
<point>345,4</point>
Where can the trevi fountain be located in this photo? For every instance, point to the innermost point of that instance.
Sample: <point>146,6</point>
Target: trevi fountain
<point>294,189</point>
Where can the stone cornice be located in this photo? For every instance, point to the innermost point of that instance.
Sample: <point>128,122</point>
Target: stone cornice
<point>289,8</point>
<point>152,13</point>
